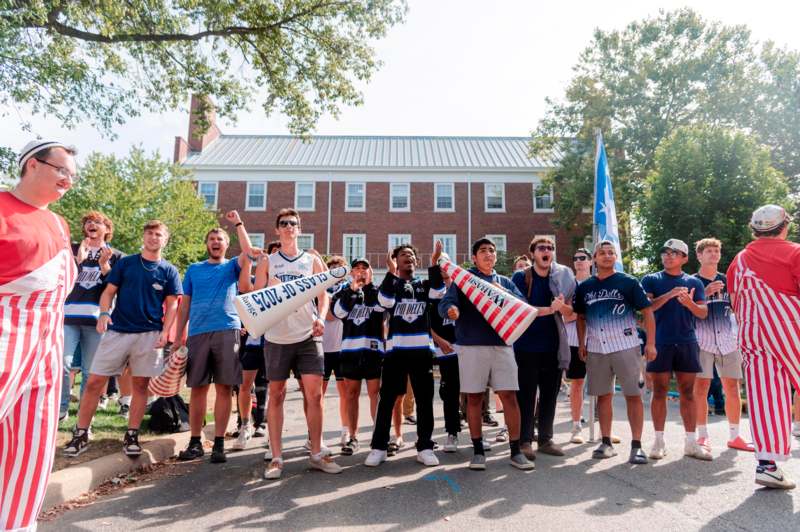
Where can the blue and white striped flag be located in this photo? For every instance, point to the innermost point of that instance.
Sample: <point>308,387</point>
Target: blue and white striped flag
<point>605,211</point>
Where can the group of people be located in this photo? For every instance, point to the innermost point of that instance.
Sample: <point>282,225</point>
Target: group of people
<point>389,334</point>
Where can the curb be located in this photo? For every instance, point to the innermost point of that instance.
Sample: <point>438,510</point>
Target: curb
<point>71,482</point>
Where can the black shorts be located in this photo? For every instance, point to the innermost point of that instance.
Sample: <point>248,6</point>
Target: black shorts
<point>252,358</point>
<point>304,357</point>
<point>214,357</point>
<point>577,367</point>
<point>360,365</point>
<point>332,365</point>
<point>684,358</point>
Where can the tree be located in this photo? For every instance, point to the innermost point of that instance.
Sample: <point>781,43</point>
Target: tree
<point>133,190</point>
<point>640,84</point>
<point>104,61</point>
<point>706,183</point>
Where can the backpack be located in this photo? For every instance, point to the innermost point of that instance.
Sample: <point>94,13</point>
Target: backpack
<point>169,414</point>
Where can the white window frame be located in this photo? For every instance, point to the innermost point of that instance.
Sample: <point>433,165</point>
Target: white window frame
<point>202,196</point>
<point>436,207</point>
<point>392,208</point>
<point>347,206</point>
<point>305,235</point>
<point>443,237</point>
<point>486,187</point>
<point>495,238</point>
<point>263,205</point>
<point>395,239</point>
<point>543,210</point>
<point>345,236</point>
<point>313,196</point>
<point>254,237</point>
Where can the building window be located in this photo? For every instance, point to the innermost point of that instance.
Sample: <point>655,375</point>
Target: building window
<point>444,197</point>
<point>354,246</point>
<point>354,198</point>
<point>305,241</point>
<point>257,240</point>
<point>256,197</point>
<point>304,196</point>
<point>542,199</point>
<point>499,242</point>
<point>494,197</point>
<point>208,191</point>
<point>396,240</point>
<point>399,197</point>
<point>448,245</point>
<point>588,242</point>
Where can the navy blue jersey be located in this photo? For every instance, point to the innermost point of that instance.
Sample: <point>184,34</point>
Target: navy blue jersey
<point>362,317</point>
<point>717,333</point>
<point>674,323</point>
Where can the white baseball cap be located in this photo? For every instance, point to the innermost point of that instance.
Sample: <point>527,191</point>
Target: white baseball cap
<point>768,217</point>
<point>676,245</point>
<point>35,146</point>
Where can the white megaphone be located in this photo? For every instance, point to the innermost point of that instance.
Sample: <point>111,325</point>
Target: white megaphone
<point>508,315</point>
<point>262,309</point>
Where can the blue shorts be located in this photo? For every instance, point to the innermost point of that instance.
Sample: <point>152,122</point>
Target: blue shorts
<point>683,358</point>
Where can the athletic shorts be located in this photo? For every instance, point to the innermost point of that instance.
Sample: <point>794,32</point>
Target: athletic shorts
<point>135,350</point>
<point>358,365</point>
<point>729,366</point>
<point>304,357</point>
<point>577,367</point>
<point>487,365</point>
<point>252,358</point>
<point>214,357</point>
<point>683,358</point>
<point>603,369</point>
<point>332,365</point>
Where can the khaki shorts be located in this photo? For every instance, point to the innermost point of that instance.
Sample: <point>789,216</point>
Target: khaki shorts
<point>487,365</point>
<point>136,350</point>
<point>603,369</point>
<point>729,366</point>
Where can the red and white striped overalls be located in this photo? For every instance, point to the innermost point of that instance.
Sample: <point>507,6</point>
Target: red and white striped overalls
<point>769,337</point>
<point>31,347</point>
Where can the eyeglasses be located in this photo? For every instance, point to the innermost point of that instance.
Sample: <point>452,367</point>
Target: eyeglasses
<point>580,258</point>
<point>60,170</point>
<point>545,248</point>
<point>287,223</point>
<point>671,253</point>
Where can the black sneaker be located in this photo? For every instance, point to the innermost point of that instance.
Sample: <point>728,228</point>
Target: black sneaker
<point>192,452</point>
<point>123,410</point>
<point>218,455</point>
<point>351,447</point>
<point>78,443</point>
<point>130,444</point>
<point>488,419</point>
<point>411,420</point>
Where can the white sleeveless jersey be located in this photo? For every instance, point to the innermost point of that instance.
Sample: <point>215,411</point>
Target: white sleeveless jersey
<point>297,326</point>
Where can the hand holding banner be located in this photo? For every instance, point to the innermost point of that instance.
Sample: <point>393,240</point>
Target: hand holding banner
<point>507,315</point>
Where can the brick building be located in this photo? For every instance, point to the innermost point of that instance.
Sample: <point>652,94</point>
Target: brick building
<point>360,195</point>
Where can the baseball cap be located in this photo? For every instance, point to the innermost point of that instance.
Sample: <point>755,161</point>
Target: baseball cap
<point>36,146</point>
<point>768,217</point>
<point>676,245</point>
<point>359,260</point>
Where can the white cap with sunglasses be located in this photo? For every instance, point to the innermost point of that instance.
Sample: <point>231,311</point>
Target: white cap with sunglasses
<point>675,245</point>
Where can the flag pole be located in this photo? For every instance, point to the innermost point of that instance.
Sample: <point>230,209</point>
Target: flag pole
<point>598,136</point>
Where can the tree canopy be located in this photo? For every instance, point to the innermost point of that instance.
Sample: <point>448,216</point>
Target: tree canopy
<point>133,190</point>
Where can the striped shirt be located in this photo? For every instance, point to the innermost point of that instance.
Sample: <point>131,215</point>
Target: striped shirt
<point>717,333</point>
<point>609,306</point>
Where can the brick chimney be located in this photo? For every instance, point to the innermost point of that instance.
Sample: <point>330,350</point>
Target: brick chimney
<point>201,113</point>
<point>181,150</point>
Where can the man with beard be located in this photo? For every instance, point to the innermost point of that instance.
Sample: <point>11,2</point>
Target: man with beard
<point>214,333</point>
<point>144,285</point>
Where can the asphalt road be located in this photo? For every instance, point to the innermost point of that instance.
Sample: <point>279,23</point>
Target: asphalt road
<point>569,493</point>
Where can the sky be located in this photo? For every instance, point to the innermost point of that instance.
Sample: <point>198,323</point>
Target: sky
<point>455,67</point>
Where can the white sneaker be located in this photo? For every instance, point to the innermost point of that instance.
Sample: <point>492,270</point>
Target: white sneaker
<point>658,451</point>
<point>487,446</point>
<point>274,469</point>
<point>695,450</point>
<point>322,447</point>
<point>345,437</point>
<point>427,457</point>
<point>576,435</point>
<point>268,455</point>
<point>244,436</point>
<point>775,479</point>
<point>325,463</point>
<point>502,436</point>
<point>103,403</point>
<point>451,444</point>
<point>375,458</point>
<point>796,431</point>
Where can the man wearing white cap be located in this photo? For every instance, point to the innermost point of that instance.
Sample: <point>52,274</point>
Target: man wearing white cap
<point>677,299</point>
<point>765,292</point>
<point>36,275</point>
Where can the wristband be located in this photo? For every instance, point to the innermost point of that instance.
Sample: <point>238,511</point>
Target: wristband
<point>105,314</point>
<point>240,223</point>
<point>253,259</point>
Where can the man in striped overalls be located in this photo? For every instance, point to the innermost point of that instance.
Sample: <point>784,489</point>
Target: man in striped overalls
<point>36,274</point>
<point>765,292</point>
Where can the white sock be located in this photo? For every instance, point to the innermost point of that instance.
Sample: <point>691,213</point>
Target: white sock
<point>660,436</point>
<point>702,431</point>
<point>734,431</point>
<point>125,400</point>
<point>691,437</point>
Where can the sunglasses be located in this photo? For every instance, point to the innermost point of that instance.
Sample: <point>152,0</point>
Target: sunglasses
<point>545,248</point>
<point>287,223</point>
<point>580,258</point>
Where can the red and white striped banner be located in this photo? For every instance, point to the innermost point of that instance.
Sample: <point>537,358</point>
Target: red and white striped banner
<point>508,315</point>
<point>169,382</point>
